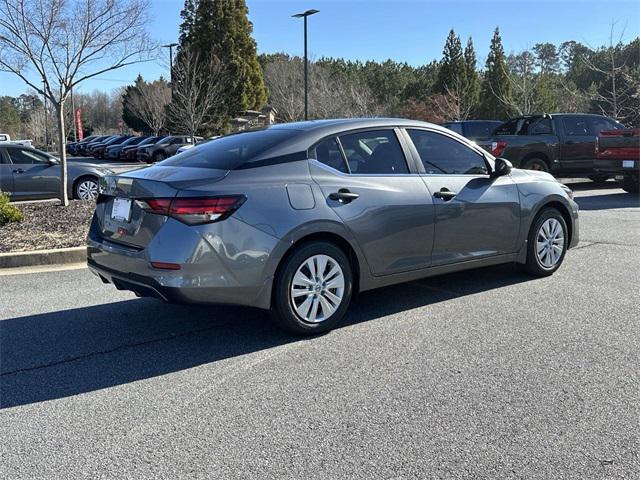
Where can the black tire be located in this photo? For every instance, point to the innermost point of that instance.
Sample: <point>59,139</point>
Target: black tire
<point>534,266</point>
<point>599,178</point>
<point>158,157</point>
<point>282,310</point>
<point>535,164</point>
<point>630,184</point>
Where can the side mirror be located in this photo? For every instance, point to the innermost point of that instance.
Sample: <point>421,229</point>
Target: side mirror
<point>502,167</point>
<point>53,161</point>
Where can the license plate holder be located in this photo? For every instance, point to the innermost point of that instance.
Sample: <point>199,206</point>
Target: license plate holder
<point>121,209</point>
<point>627,163</point>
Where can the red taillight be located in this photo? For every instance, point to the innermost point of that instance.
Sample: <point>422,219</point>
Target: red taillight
<point>165,265</point>
<point>498,147</point>
<point>196,210</point>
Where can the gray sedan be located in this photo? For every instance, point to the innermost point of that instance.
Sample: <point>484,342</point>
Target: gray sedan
<point>296,218</point>
<point>29,174</point>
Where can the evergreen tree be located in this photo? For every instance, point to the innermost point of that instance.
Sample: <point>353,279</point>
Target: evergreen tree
<point>452,74</point>
<point>473,81</point>
<point>496,90</point>
<point>132,120</point>
<point>221,29</point>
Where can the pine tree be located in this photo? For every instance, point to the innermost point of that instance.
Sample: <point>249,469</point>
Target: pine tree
<point>220,29</point>
<point>452,72</point>
<point>473,82</point>
<point>496,89</point>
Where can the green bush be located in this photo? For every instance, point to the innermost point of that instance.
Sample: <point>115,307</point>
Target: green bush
<point>8,212</point>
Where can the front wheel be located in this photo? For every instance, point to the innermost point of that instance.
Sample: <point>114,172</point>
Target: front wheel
<point>312,289</point>
<point>158,157</point>
<point>86,188</point>
<point>547,243</point>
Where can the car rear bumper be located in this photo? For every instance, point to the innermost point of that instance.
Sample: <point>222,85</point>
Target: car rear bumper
<point>212,271</point>
<point>617,167</point>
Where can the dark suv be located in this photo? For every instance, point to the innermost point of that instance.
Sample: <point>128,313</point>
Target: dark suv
<point>474,129</point>
<point>165,148</point>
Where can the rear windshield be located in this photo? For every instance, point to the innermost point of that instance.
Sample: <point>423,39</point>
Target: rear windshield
<point>232,151</point>
<point>481,129</point>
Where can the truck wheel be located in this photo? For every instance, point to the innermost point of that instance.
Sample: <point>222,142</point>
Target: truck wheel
<point>536,164</point>
<point>630,184</point>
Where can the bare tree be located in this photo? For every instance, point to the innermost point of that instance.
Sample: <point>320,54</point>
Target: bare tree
<point>149,102</point>
<point>54,45</point>
<point>198,91</point>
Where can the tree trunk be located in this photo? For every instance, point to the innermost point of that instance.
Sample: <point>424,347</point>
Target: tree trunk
<point>62,154</point>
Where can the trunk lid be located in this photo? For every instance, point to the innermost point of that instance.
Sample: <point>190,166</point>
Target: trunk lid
<point>120,209</point>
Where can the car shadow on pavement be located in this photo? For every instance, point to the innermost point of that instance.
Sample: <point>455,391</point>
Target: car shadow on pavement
<point>64,353</point>
<point>608,201</point>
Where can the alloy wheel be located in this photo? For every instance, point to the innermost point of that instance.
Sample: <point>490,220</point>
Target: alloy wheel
<point>550,243</point>
<point>317,288</point>
<point>87,190</point>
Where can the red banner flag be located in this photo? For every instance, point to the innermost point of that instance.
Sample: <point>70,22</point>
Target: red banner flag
<point>79,131</point>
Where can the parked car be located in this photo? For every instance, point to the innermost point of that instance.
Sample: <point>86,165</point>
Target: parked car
<point>84,149</point>
<point>29,174</point>
<point>112,152</point>
<point>297,217</point>
<point>72,147</point>
<point>98,151</point>
<point>129,153</point>
<point>5,138</point>
<point>618,154</point>
<point>563,144</point>
<point>474,129</point>
<point>165,148</point>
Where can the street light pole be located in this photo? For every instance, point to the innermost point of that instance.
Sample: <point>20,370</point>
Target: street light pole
<point>306,60</point>
<point>170,47</point>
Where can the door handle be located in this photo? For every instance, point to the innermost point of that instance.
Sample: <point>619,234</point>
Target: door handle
<point>343,196</point>
<point>445,194</point>
<point>18,170</point>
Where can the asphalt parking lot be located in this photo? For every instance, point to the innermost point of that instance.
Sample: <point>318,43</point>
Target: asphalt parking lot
<point>484,374</point>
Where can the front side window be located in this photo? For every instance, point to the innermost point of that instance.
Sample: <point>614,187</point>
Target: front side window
<point>328,152</point>
<point>541,126</point>
<point>374,152</point>
<point>26,157</point>
<point>576,126</point>
<point>445,156</point>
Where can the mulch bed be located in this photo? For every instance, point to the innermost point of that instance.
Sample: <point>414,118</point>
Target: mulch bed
<point>48,225</point>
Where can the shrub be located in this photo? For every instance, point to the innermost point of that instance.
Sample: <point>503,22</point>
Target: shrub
<point>8,212</point>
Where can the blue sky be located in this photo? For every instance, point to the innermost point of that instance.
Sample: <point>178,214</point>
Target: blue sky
<point>404,30</point>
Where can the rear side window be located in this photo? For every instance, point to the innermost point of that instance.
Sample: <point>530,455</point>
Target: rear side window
<point>232,151</point>
<point>576,126</point>
<point>328,152</point>
<point>445,156</point>
<point>374,152</point>
<point>598,124</point>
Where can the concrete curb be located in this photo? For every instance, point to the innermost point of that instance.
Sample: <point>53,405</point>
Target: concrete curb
<point>43,257</point>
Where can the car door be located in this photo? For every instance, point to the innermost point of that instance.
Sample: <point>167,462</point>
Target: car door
<point>577,150</point>
<point>6,173</point>
<point>34,176</point>
<point>364,177</point>
<point>476,215</point>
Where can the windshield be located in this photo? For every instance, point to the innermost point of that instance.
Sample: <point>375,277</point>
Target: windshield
<point>232,151</point>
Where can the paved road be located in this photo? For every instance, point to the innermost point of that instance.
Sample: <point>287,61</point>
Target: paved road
<point>486,374</point>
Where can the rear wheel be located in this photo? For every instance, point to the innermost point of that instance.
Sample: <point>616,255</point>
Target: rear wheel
<point>536,164</point>
<point>312,289</point>
<point>547,243</point>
